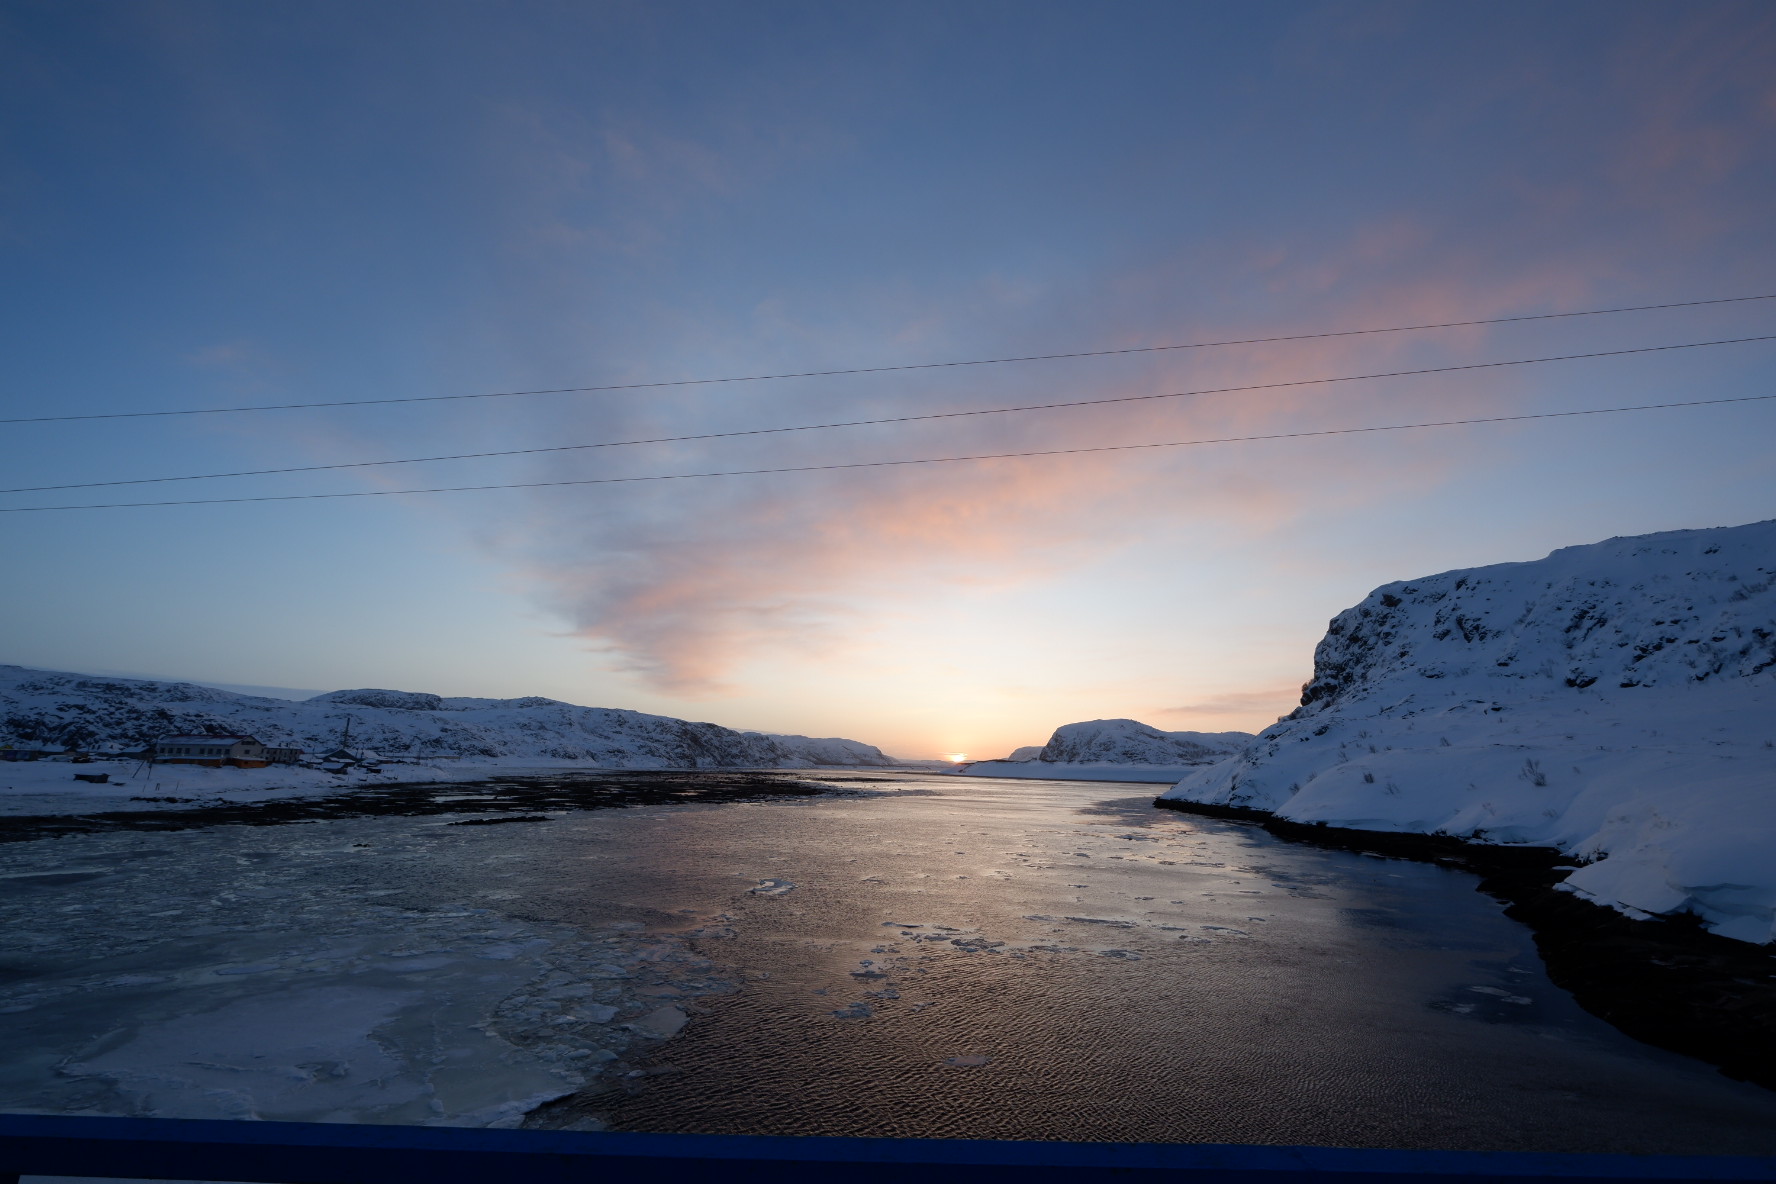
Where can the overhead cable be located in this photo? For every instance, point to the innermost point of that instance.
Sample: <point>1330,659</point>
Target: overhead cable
<point>879,464</point>
<point>1090,353</point>
<point>858,423</point>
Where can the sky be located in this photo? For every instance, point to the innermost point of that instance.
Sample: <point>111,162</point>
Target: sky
<point>221,205</point>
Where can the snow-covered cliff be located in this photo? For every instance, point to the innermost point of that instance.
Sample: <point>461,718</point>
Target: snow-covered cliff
<point>1616,700</point>
<point>1114,750</point>
<point>40,708</point>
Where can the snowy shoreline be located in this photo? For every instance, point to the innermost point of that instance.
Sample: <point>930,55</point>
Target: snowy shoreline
<point>1615,702</point>
<point>1660,980</point>
<point>47,788</point>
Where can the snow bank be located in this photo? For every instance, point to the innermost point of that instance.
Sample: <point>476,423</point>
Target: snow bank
<point>1114,750</point>
<point>1616,701</point>
<point>45,708</point>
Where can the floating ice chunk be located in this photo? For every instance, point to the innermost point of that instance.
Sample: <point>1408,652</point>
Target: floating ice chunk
<point>856,1011</point>
<point>416,965</point>
<point>772,888</point>
<point>968,1062</point>
<point>288,1055</point>
<point>662,1021</point>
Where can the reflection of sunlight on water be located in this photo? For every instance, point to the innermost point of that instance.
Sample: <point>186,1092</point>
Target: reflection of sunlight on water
<point>923,955</point>
<point>1051,960</point>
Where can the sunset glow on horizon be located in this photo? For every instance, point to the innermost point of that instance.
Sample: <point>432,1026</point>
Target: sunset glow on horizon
<point>220,206</point>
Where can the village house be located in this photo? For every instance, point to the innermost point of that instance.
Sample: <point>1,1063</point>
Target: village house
<point>240,752</point>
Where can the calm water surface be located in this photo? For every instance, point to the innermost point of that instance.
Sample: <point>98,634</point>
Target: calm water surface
<point>1055,960</point>
<point>934,957</point>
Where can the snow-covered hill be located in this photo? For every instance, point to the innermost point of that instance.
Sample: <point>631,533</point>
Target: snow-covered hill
<point>1114,750</point>
<point>42,708</point>
<point>1616,700</point>
<point>1130,742</point>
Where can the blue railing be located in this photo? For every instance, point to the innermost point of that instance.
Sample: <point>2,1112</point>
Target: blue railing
<point>327,1153</point>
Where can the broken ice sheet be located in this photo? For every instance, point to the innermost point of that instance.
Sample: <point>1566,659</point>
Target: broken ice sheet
<point>290,989</point>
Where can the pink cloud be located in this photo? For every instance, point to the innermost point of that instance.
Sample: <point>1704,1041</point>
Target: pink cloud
<point>1253,710</point>
<point>688,583</point>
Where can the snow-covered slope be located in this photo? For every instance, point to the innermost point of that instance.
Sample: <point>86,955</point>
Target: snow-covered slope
<point>1616,700</point>
<point>1130,742</point>
<point>41,708</point>
<point>824,750</point>
<point>1114,750</point>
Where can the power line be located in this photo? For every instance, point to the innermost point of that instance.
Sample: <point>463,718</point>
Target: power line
<point>858,423</point>
<point>879,464</point>
<point>1093,353</point>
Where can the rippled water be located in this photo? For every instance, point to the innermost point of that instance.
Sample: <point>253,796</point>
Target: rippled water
<point>937,957</point>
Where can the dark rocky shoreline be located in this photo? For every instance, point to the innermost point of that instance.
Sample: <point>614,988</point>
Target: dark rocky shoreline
<point>1666,981</point>
<point>498,799</point>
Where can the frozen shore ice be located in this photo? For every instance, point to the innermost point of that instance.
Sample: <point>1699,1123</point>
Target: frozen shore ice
<point>310,973</point>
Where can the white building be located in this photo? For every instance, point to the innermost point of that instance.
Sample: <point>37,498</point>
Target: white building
<point>241,752</point>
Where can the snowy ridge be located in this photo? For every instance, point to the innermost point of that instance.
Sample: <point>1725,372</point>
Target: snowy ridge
<point>1114,750</point>
<point>42,708</point>
<point>1616,701</point>
<point>826,750</point>
<point>1130,742</point>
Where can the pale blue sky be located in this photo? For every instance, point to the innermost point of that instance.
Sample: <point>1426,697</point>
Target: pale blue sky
<point>213,204</point>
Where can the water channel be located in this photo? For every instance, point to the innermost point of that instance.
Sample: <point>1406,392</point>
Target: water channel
<point>916,955</point>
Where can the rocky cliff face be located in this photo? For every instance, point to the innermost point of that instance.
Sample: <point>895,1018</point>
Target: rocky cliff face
<point>1616,700</point>
<point>44,708</point>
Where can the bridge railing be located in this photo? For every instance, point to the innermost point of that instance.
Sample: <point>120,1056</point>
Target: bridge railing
<point>329,1153</point>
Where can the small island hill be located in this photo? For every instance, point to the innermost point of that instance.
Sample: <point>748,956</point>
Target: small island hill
<point>1114,750</point>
